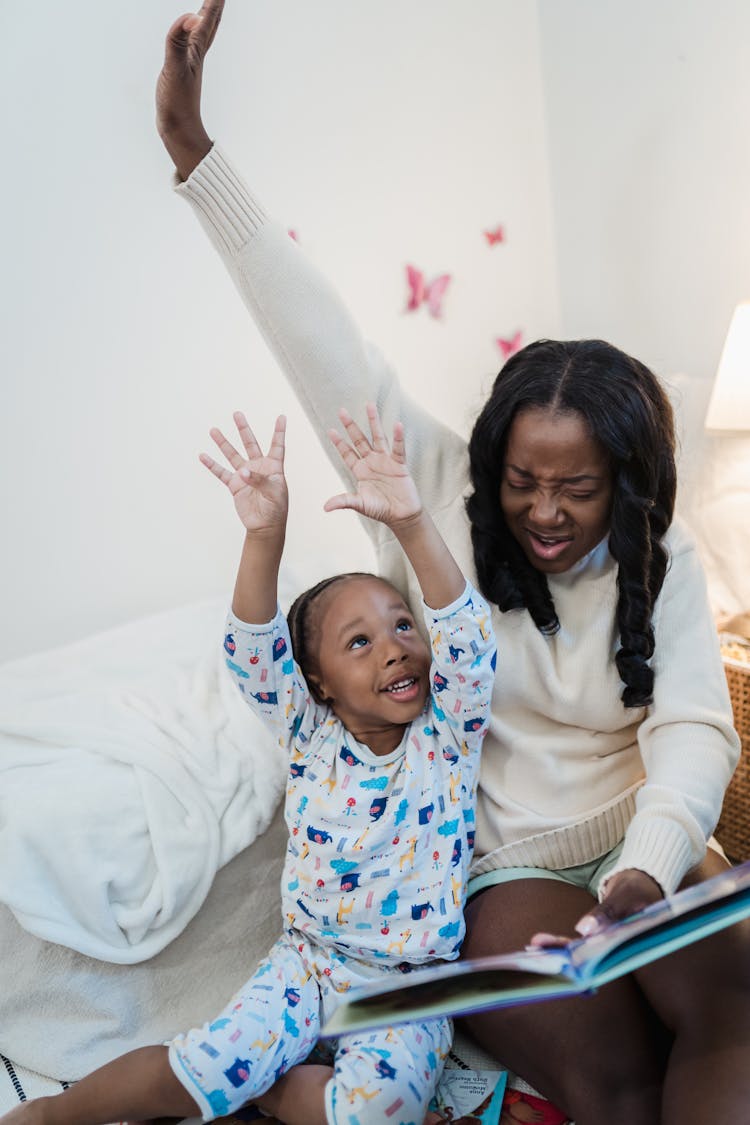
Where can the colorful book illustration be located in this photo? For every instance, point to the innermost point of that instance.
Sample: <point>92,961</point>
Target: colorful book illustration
<point>546,973</point>
<point>474,1097</point>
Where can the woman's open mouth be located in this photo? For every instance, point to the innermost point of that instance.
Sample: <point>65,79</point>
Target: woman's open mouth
<point>548,547</point>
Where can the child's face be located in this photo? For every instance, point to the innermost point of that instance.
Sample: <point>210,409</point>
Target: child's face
<point>373,664</point>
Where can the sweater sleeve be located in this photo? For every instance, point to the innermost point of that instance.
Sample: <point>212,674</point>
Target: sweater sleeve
<point>260,661</point>
<point>464,659</point>
<point>687,741</point>
<point>309,330</point>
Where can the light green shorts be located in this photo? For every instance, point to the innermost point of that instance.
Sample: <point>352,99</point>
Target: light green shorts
<point>588,876</point>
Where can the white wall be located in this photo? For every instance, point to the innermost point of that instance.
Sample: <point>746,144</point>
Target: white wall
<point>384,133</point>
<point>649,117</point>
<point>648,109</point>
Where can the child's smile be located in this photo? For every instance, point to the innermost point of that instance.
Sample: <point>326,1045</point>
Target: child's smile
<point>405,689</point>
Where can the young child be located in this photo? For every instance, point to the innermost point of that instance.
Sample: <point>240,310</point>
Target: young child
<point>384,753</point>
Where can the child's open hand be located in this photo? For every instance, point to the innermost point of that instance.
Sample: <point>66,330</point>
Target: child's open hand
<point>385,489</point>
<point>257,483</point>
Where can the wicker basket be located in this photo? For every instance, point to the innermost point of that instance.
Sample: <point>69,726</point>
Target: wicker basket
<point>733,830</point>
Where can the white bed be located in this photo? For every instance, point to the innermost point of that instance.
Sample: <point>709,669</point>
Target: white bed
<point>141,841</point>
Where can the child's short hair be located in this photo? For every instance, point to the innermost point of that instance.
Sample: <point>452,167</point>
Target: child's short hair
<point>300,627</point>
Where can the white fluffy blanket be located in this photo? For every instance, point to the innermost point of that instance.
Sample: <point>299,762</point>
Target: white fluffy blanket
<point>130,771</point>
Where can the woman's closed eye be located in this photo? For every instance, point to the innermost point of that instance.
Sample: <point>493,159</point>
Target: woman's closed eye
<point>527,486</point>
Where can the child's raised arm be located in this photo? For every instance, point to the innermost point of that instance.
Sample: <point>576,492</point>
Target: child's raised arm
<point>258,486</point>
<point>387,493</point>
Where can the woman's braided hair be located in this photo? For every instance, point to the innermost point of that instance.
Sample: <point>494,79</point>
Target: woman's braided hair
<point>627,411</point>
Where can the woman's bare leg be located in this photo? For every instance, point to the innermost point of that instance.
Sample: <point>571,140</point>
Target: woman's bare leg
<point>600,1057</point>
<point>702,993</point>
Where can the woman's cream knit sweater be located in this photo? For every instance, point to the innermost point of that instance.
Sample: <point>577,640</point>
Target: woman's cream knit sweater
<point>567,770</point>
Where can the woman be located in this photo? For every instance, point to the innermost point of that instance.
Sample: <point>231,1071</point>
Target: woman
<point>611,740</point>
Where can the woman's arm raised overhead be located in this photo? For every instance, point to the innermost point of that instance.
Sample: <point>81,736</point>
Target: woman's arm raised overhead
<point>307,326</point>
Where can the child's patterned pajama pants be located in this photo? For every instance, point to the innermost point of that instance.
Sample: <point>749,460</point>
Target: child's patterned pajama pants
<point>273,1023</point>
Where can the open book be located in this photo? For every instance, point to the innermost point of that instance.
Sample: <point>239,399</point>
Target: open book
<point>457,987</point>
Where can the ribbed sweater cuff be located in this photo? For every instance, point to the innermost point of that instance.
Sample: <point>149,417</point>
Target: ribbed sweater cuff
<point>228,210</point>
<point>661,848</point>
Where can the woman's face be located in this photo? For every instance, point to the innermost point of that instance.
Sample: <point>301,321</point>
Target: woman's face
<point>556,488</point>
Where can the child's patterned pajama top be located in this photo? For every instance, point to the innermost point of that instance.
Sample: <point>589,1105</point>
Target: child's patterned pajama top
<point>374,879</point>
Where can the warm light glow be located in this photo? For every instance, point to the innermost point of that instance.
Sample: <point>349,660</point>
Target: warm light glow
<point>729,406</point>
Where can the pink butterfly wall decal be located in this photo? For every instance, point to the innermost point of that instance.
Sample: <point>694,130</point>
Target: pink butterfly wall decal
<point>509,347</point>
<point>495,236</point>
<point>423,292</point>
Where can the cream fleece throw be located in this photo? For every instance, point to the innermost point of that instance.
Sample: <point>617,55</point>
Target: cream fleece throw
<point>130,772</point>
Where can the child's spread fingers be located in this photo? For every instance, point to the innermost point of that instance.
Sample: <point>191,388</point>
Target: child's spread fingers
<point>233,457</point>
<point>247,437</point>
<point>356,436</point>
<point>347,454</point>
<point>214,467</point>
<point>398,445</point>
<point>348,500</point>
<point>277,447</point>
<point>376,429</point>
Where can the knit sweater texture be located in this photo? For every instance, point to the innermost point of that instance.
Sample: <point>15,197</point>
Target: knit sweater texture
<point>567,771</point>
